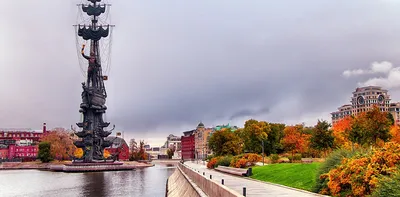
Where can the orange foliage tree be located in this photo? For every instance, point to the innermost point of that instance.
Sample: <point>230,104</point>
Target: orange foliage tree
<point>295,140</point>
<point>395,133</point>
<point>78,153</point>
<point>106,153</point>
<point>359,176</point>
<point>340,132</point>
<point>61,144</point>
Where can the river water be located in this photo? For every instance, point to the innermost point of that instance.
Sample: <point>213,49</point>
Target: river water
<point>147,182</point>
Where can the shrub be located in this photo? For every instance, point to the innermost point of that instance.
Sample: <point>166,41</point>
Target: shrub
<point>224,161</point>
<point>296,157</point>
<point>333,160</point>
<point>241,163</point>
<point>252,158</point>
<point>211,164</point>
<point>274,158</point>
<point>358,176</point>
<point>388,186</point>
<point>209,157</point>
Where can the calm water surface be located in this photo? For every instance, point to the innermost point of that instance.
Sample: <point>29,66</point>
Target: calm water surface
<point>148,182</point>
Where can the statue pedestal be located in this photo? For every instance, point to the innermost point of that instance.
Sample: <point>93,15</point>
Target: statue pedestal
<point>92,167</point>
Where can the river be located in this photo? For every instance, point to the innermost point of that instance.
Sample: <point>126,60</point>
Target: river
<point>147,182</point>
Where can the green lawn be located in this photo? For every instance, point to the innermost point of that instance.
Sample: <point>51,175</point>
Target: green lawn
<point>297,175</point>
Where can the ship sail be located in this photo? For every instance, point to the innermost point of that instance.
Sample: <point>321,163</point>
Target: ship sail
<point>94,10</point>
<point>87,33</point>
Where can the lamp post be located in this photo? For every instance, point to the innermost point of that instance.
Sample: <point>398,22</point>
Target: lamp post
<point>263,150</point>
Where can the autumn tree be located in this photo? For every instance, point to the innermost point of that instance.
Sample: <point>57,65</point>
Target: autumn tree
<point>369,127</point>
<point>395,133</point>
<point>225,142</point>
<point>341,130</point>
<point>62,147</point>
<point>78,153</point>
<point>254,133</point>
<point>295,141</point>
<point>321,137</point>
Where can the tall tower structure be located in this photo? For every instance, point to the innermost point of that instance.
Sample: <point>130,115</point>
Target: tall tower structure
<point>94,93</point>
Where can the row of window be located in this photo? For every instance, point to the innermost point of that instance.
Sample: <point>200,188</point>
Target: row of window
<point>19,135</point>
<point>28,155</point>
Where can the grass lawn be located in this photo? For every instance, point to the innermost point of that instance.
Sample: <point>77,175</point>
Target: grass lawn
<point>297,175</point>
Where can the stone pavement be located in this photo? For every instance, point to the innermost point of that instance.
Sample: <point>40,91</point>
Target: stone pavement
<point>253,188</point>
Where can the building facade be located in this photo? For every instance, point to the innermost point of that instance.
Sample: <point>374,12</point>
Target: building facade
<point>364,99</point>
<point>20,143</point>
<point>119,147</point>
<point>188,145</point>
<point>201,137</point>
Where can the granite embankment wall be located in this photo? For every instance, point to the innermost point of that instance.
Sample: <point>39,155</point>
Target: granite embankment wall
<point>198,182</point>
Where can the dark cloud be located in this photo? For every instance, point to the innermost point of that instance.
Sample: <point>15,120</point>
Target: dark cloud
<point>177,63</point>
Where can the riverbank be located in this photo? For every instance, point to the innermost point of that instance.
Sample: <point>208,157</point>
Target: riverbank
<point>46,166</point>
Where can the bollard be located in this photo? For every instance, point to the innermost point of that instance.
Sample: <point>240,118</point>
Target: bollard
<point>204,174</point>
<point>210,176</point>
<point>222,181</point>
<point>244,191</point>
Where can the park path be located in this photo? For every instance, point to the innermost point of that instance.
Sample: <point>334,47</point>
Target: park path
<point>253,188</point>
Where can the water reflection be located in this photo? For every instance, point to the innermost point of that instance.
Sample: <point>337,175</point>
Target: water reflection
<point>148,182</point>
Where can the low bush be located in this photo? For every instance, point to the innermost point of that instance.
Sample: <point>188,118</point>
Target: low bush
<point>252,158</point>
<point>224,161</point>
<point>360,175</point>
<point>331,162</point>
<point>274,158</point>
<point>212,163</point>
<point>296,157</point>
<point>209,157</point>
<point>242,163</point>
<point>388,187</point>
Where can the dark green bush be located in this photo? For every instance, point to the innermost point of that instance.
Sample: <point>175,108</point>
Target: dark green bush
<point>209,157</point>
<point>274,158</point>
<point>296,157</point>
<point>388,187</point>
<point>44,152</point>
<point>224,161</point>
<point>334,159</point>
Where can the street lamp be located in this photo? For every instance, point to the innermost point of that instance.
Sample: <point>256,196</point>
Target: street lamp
<point>263,150</point>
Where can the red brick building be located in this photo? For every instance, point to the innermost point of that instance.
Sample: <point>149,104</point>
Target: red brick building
<point>119,147</point>
<point>20,143</point>
<point>188,143</point>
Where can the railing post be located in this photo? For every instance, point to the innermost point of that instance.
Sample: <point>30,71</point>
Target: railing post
<point>244,191</point>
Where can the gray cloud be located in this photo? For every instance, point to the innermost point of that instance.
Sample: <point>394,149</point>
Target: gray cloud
<point>177,63</point>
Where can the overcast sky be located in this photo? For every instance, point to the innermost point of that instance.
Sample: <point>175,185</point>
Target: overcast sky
<point>175,63</point>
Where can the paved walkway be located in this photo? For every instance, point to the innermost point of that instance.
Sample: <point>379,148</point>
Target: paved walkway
<point>253,188</point>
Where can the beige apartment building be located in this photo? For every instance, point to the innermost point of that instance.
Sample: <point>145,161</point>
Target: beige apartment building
<point>201,136</point>
<point>363,99</point>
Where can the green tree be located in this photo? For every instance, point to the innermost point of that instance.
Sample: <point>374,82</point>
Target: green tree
<point>273,143</point>
<point>225,142</point>
<point>321,137</point>
<point>254,133</point>
<point>44,152</point>
<point>390,118</point>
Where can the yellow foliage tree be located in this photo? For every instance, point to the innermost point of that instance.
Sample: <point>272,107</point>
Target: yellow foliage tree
<point>78,153</point>
<point>106,153</point>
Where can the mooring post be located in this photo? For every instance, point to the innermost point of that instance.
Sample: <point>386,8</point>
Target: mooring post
<point>222,181</point>
<point>244,191</point>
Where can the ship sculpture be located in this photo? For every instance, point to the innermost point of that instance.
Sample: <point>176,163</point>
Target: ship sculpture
<point>92,132</point>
